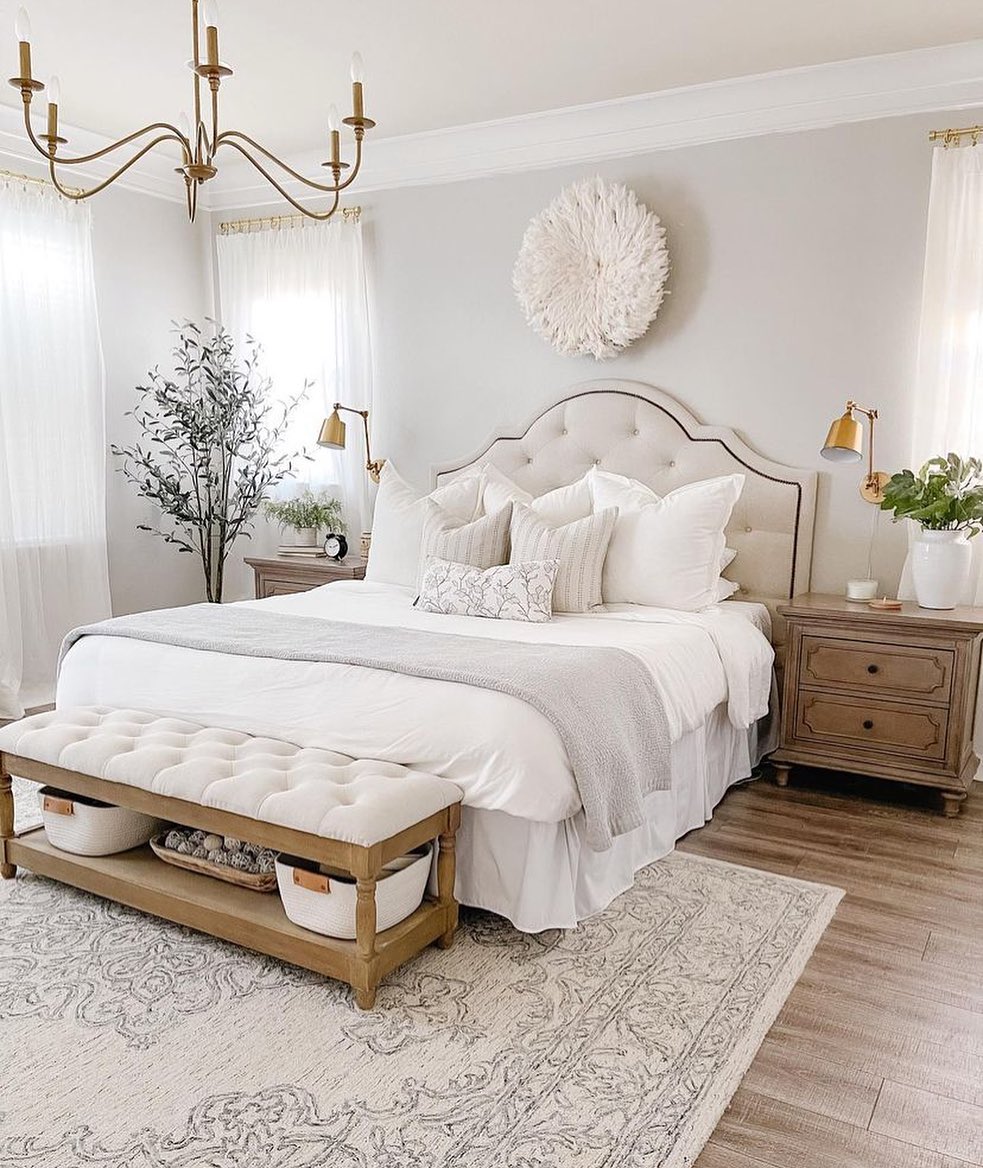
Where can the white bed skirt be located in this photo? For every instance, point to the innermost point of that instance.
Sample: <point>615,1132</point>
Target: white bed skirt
<point>544,876</point>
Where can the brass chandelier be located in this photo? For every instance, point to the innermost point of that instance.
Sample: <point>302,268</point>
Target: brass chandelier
<point>199,142</point>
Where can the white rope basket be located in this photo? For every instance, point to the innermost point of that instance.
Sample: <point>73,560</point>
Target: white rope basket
<point>87,827</point>
<point>325,903</point>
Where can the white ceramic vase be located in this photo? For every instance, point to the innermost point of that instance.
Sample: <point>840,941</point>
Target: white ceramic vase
<point>303,536</point>
<point>940,566</point>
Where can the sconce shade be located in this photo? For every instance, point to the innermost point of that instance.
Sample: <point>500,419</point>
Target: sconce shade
<point>845,440</point>
<point>332,432</point>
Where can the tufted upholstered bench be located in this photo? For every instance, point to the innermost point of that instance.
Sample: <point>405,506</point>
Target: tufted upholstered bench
<point>351,814</point>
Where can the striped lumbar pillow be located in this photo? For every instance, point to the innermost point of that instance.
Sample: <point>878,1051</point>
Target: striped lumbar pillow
<point>482,543</point>
<point>579,546</point>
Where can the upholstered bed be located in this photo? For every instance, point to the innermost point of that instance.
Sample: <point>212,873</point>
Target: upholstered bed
<point>523,848</point>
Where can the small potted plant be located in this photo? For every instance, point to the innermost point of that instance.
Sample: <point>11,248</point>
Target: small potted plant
<point>307,515</point>
<point>945,498</point>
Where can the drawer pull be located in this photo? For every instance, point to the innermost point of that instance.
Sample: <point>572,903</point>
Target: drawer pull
<point>868,724</point>
<point>872,669</point>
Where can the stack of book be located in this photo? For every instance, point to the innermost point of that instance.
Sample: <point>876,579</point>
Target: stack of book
<point>299,551</point>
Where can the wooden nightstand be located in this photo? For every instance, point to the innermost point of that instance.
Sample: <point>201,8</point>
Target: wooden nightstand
<point>891,694</point>
<point>282,575</point>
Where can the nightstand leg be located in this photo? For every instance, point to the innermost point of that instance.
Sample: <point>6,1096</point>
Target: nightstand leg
<point>782,770</point>
<point>951,804</point>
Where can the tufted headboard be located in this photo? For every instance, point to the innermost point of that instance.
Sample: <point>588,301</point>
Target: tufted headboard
<point>634,429</point>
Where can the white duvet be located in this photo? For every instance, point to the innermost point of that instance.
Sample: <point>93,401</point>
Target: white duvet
<point>504,754</point>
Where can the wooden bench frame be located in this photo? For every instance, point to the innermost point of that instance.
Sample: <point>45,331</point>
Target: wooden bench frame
<point>250,919</point>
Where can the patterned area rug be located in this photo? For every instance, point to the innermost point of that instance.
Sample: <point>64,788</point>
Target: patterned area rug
<point>142,1045</point>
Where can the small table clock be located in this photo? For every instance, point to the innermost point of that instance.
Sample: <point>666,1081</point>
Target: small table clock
<point>335,546</point>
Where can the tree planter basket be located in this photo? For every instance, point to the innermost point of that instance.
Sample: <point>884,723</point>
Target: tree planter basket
<point>325,903</point>
<point>87,827</point>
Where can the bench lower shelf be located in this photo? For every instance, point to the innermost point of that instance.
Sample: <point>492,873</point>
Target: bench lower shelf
<point>251,919</point>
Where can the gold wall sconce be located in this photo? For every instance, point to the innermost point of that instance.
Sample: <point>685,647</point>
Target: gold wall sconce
<point>845,443</point>
<point>332,437</point>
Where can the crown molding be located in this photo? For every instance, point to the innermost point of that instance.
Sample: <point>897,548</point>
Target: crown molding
<point>812,97</point>
<point>808,98</point>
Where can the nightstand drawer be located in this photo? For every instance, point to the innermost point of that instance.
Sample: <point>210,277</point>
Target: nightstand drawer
<point>878,668</point>
<point>873,725</point>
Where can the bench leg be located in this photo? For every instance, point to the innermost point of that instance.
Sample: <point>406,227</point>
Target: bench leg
<point>7,871</point>
<point>446,869</point>
<point>365,926</point>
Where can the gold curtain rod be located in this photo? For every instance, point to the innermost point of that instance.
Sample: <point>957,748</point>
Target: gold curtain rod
<point>275,222</point>
<point>35,180</point>
<point>950,137</point>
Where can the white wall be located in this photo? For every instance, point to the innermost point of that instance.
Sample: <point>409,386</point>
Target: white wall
<point>795,284</point>
<point>151,269</point>
<point>796,272</point>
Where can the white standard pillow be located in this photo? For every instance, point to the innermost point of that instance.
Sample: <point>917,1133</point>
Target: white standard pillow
<point>397,525</point>
<point>522,592</point>
<point>579,546</point>
<point>482,543</point>
<point>562,505</point>
<point>665,552</point>
<point>725,587</point>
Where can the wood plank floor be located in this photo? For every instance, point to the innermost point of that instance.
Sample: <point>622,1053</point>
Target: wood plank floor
<point>876,1060</point>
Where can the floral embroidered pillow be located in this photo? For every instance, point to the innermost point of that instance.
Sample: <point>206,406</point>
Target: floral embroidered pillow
<point>521,592</point>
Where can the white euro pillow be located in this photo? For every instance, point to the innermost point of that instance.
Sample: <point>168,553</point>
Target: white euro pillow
<point>665,552</point>
<point>397,524</point>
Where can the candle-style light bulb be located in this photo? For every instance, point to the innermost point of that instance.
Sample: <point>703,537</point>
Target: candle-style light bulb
<point>22,26</point>
<point>334,120</point>
<point>54,90</point>
<point>358,68</point>
<point>210,14</point>
<point>184,124</point>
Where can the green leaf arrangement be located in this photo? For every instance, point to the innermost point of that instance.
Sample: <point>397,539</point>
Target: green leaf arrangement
<point>945,495</point>
<point>209,448</point>
<point>317,510</point>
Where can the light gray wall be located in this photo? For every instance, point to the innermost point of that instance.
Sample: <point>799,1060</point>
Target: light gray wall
<point>151,269</point>
<point>796,273</point>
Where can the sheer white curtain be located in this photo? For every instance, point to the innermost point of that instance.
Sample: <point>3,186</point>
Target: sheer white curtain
<point>53,563</point>
<point>949,375</point>
<point>300,291</point>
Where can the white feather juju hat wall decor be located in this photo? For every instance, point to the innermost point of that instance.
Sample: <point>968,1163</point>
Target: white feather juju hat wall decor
<point>592,269</point>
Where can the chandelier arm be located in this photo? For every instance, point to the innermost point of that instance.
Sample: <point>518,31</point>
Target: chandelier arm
<point>272,181</point>
<point>77,196</point>
<point>173,132</point>
<point>229,138</point>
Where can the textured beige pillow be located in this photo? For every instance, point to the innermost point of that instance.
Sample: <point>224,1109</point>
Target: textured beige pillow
<point>483,543</point>
<point>579,546</point>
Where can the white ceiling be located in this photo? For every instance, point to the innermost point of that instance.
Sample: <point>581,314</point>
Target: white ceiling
<point>437,63</point>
